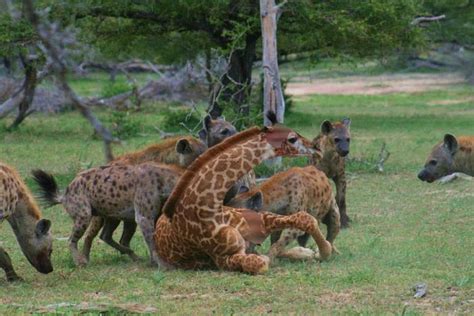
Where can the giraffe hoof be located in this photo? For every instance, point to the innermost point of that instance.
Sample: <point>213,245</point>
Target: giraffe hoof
<point>265,265</point>
<point>14,278</point>
<point>325,251</point>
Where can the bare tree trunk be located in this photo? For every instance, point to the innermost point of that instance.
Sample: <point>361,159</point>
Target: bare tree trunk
<point>236,85</point>
<point>55,54</point>
<point>272,91</point>
<point>29,87</point>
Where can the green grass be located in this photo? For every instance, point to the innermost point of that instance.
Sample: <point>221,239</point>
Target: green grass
<point>403,231</point>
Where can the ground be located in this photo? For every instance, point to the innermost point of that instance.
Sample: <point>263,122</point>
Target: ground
<point>403,231</point>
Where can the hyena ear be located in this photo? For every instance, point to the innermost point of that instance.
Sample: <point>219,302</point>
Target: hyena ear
<point>233,191</point>
<point>207,122</point>
<point>326,127</point>
<point>255,202</point>
<point>42,227</point>
<point>243,189</point>
<point>451,143</point>
<point>203,135</point>
<point>183,146</point>
<point>346,122</point>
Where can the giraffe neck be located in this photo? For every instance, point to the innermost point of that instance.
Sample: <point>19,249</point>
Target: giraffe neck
<point>205,194</point>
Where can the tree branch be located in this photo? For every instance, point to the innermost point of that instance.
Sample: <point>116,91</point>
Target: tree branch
<point>423,19</point>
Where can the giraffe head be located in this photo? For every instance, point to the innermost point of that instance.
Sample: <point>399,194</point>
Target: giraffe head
<point>284,141</point>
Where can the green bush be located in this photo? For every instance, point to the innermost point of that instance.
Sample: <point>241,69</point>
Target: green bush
<point>122,124</point>
<point>112,88</point>
<point>174,119</point>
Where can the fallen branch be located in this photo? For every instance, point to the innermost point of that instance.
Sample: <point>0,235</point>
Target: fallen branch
<point>423,19</point>
<point>383,156</point>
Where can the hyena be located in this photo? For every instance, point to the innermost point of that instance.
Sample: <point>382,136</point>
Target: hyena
<point>333,143</point>
<point>178,151</point>
<point>123,192</point>
<point>291,191</point>
<point>18,207</point>
<point>450,159</point>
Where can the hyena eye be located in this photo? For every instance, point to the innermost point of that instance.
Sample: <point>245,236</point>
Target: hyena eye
<point>433,162</point>
<point>225,131</point>
<point>348,140</point>
<point>292,140</point>
<point>337,140</point>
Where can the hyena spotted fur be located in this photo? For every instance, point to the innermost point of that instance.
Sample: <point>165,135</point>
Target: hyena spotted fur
<point>288,192</point>
<point>18,207</point>
<point>333,143</point>
<point>121,192</point>
<point>450,159</point>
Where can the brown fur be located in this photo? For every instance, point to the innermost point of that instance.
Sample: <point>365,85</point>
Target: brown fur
<point>202,232</point>
<point>296,189</point>
<point>123,192</point>
<point>20,209</point>
<point>163,152</point>
<point>453,154</point>
<point>334,143</point>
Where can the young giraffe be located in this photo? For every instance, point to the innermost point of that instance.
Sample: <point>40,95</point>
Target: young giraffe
<point>197,231</point>
<point>179,151</point>
<point>334,143</point>
<point>19,208</point>
<point>214,132</point>
<point>296,189</point>
<point>115,191</point>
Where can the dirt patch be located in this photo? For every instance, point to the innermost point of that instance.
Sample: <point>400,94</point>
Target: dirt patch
<point>371,85</point>
<point>451,102</point>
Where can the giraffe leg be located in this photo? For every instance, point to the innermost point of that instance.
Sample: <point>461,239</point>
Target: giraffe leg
<point>6,265</point>
<point>110,225</point>
<point>333,222</point>
<point>301,221</point>
<point>94,227</point>
<point>250,263</point>
<point>287,236</point>
<point>229,253</point>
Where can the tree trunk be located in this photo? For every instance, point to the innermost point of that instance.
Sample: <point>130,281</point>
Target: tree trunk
<point>29,87</point>
<point>236,84</point>
<point>272,91</point>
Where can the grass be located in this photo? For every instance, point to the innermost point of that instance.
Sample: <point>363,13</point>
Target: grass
<point>403,232</point>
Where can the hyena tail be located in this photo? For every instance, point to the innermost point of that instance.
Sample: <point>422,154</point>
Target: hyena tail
<point>49,191</point>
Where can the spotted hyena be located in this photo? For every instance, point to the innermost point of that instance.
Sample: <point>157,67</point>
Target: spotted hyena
<point>452,158</point>
<point>333,143</point>
<point>121,192</point>
<point>291,191</point>
<point>19,208</point>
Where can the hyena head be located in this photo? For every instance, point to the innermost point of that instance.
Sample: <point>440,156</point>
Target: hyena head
<point>338,136</point>
<point>188,150</point>
<point>215,131</point>
<point>38,246</point>
<point>440,161</point>
<point>244,198</point>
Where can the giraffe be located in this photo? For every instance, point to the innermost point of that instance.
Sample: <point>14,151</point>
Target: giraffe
<point>197,231</point>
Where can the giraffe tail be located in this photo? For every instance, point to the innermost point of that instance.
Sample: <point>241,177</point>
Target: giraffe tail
<point>48,187</point>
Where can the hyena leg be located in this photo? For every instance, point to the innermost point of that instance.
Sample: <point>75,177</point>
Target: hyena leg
<point>301,221</point>
<point>341,184</point>
<point>145,218</point>
<point>82,220</point>
<point>6,265</point>
<point>287,236</point>
<point>233,256</point>
<point>94,227</point>
<point>129,229</point>
<point>110,225</point>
